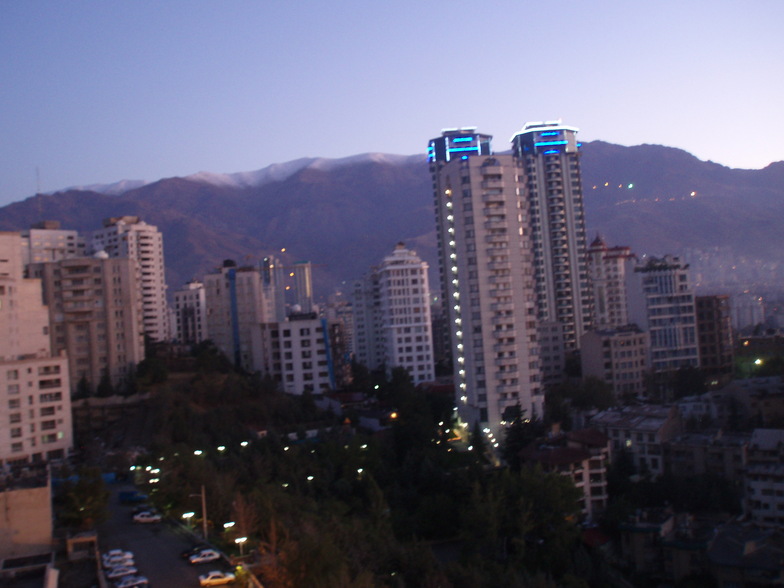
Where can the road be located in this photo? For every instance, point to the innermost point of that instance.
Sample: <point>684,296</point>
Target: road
<point>156,546</point>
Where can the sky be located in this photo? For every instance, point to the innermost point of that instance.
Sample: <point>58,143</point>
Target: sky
<point>97,91</point>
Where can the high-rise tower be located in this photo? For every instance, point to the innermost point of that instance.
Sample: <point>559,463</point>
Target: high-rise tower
<point>131,237</point>
<point>486,276</point>
<point>548,153</point>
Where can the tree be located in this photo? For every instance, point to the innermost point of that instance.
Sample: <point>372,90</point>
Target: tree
<point>688,381</point>
<point>152,370</point>
<point>82,389</point>
<point>84,500</point>
<point>105,388</point>
<point>520,432</point>
<point>594,393</point>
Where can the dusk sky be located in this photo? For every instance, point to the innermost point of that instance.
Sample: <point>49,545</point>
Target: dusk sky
<point>100,91</point>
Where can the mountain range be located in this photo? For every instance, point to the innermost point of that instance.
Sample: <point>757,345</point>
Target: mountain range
<point>345,215</point>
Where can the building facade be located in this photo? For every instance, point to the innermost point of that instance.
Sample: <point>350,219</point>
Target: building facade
<point>297,353</point>
<point>392,306</point>
<point>95,317</point>
<point>619,357</point>
<point>549,156</point>
<point>46,241</point>
<point>238,300</point>
<point>132,238</point>
<point>190,314</point>
<point>35,403</point>
<point>607,269</point>
<point>487,277</point>
<point>714,330</point>
<point>661,301</point>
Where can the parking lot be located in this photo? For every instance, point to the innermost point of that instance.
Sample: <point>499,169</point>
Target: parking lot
<point>156,547</point>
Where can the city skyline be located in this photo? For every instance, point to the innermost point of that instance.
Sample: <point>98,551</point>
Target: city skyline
<point>102,92</point>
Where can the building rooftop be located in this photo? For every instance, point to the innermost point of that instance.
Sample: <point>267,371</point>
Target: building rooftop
<point>638,418</point>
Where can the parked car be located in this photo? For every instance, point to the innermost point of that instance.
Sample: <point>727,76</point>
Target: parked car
<point>117,558</point>
<point>120,571</point>
<point>132,582</point>
<point>117,562</point>
<point>204,556</point>
<point>194,549</point>
<point>132,497</point>
<point>216,578</point>
<point>147,517</point>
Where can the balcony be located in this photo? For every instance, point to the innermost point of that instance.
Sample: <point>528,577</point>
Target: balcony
<point>491,182</point>
<point>499,265</point>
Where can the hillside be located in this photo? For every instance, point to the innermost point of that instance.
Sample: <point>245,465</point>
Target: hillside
<point>345,215</point>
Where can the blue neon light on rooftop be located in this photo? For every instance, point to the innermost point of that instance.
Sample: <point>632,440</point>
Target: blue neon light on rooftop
<point>453,149</point>
<point>462,139</point>
<point>545,143</point>
<point>551,151</point>
<point>549,134</point>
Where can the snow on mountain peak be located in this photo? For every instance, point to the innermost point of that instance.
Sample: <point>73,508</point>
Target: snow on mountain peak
<point>276,172</point>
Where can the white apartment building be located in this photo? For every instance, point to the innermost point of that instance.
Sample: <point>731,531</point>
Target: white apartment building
<point>405,311</point>
<point>189,316</point>
<point>35,401</point>
<point>296,352</point>
<point>392,324</point>
<point>128,236</point>
<point>487,277</point>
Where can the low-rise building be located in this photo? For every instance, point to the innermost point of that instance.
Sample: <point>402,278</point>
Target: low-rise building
<point>297,353</point>
<point>642,432</point>
<point>582,456</point>
<point>764,484</point>
<point>619,357</point>
<point>744,554</point>
<point>718,453</point>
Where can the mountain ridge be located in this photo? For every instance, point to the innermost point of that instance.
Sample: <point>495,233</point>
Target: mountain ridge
<point>346,214</point>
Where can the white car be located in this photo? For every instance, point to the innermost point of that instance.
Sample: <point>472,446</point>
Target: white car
<point>114,561</point>
<point>120,571</point>
<point>131,582</point>
<point>147,517</point>
<point>204,556</point>
<point>216,578</point>
<point>112,552</point>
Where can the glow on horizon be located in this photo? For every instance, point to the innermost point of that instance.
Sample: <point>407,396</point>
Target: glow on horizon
<point>97,92</point>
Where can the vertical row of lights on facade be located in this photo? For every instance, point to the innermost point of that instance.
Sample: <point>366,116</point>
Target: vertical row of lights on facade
<point>456,294</point>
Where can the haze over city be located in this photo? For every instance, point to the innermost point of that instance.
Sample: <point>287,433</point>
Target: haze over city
<point>97,92</point>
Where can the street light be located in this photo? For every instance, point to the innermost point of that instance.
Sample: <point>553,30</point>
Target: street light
<point>228,525</point>
<point>241,541</point>
<point>203,511</point>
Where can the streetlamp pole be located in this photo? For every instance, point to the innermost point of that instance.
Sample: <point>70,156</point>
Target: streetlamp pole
<point>204,512</point>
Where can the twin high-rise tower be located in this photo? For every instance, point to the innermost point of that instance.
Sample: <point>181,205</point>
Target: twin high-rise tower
<point>512,253</point>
